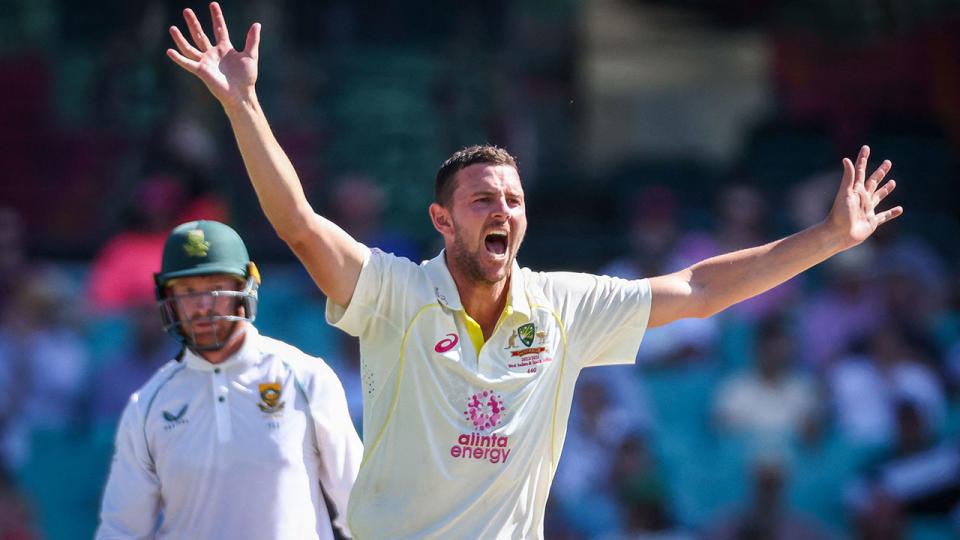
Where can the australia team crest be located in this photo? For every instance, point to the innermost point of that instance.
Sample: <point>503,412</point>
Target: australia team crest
<point>526,333</point>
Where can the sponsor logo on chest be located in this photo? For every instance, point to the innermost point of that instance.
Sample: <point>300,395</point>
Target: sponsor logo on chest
<point>483,413</point>
<point>175,419</point>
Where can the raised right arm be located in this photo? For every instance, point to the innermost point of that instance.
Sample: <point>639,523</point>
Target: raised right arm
<point>331,256</point>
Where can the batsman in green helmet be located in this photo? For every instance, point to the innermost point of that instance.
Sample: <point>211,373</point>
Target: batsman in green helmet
<point>240,436</point>
<point>207,285</point>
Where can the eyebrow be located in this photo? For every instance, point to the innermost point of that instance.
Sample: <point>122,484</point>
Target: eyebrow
<point>497,192</point>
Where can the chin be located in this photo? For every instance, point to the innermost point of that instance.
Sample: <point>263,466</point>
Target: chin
<point>498,274</point>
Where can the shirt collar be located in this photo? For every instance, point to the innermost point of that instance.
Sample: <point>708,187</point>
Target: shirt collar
<point>448,296</point>
<point>247,355</point>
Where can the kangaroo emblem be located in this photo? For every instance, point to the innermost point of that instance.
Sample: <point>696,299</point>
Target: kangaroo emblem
<point>512,342</point>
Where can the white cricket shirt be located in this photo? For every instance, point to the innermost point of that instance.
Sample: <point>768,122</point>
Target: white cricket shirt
<point>460,444</point>
<point>235,450</point>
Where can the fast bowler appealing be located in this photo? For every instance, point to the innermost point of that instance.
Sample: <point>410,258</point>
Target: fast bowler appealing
<point>468,361</point>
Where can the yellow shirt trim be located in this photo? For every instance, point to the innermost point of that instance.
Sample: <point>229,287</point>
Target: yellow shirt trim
<point>476,333</point>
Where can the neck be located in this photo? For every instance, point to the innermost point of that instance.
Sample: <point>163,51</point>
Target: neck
<point>484,302</point>
<point>233,344</point>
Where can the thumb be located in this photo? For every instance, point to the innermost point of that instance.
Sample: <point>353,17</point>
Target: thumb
<point>252,46</point>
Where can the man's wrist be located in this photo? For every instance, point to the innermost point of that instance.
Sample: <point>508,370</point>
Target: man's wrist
<point>246,104</point>
<point>832,236</point>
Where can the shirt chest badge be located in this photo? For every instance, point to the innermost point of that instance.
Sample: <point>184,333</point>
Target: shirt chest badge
<point>270,398</point>
<point>175,419</point>
<point>527,348</point>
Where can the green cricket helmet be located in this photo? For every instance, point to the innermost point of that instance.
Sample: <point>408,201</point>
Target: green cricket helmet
<point>203,248</point>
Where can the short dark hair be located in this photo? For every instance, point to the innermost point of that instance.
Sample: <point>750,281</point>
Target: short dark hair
<point>471,155</point>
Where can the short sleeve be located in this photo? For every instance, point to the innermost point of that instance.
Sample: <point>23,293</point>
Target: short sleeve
<point>604,317</point>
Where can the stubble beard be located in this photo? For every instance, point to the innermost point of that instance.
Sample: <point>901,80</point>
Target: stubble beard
<point>221,332</point>
<point>470,263</point>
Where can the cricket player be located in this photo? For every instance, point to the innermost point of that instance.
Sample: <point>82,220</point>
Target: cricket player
<point>468,360</point>
<point>240,436</point>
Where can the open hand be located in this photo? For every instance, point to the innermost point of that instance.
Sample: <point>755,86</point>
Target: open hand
<point>229,74</point>
<point>854,212</point>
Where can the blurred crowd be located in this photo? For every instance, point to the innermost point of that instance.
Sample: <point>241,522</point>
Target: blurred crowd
<point>828,407</point>
<point>825,408</point>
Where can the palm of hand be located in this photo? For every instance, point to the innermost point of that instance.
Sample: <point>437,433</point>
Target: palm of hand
<point>854,210</point>
<point>226,71</point>
<point>861,215</point>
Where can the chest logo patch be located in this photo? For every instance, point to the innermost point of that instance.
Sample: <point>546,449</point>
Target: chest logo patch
<point>484,412</point>
<point>270,398</point>
<point>525,355</point>
<point>526,333</point>
<point>448,342</point>
<point>174,420</point>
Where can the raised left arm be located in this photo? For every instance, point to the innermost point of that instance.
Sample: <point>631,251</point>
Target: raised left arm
<point>717,283</point>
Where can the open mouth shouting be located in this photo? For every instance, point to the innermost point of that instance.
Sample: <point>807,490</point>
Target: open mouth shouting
<point>496,244</point>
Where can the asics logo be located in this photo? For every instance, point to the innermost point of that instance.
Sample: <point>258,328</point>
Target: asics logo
<point>449,342</point>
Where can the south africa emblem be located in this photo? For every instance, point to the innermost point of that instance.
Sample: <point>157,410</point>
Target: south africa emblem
<point>270,396</point>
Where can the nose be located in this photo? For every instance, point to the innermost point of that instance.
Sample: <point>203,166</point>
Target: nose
<point>500,208</point>
<point>205,302</point>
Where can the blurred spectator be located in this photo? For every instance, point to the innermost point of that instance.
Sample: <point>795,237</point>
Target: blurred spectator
<point>16,519</point>
<point>914,281</point>
<point>741,222</point>
<point>12,257</point>
<point>358,206</point>
<point>772,399</point>
<point>189,148</point>
<point>347,360</point>
<point>187,142</point>
<point>149,349</point>
<point>642,492</point>
<point>946,328</point>
<point>654,233</point>
<point>44,358</point>
<point>918,475</point>
<point>846,310</point>
<point>810,199</point>
<point>866,388</point>
<point>595,431</point>
<point>121,274</point>
<point>767,515</point>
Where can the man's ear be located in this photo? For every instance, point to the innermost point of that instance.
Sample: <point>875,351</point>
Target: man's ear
<point>442,221</point>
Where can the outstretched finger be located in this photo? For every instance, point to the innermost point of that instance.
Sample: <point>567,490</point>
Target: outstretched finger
<point>196,31</point>
<point>190,65</point>
<point>252,47</point>
<point>878,175</point>
<point>886,216</point>
<point>219,25</point>
<point>885,190</point>
<point>186,49</point>
<point>861,166</point>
